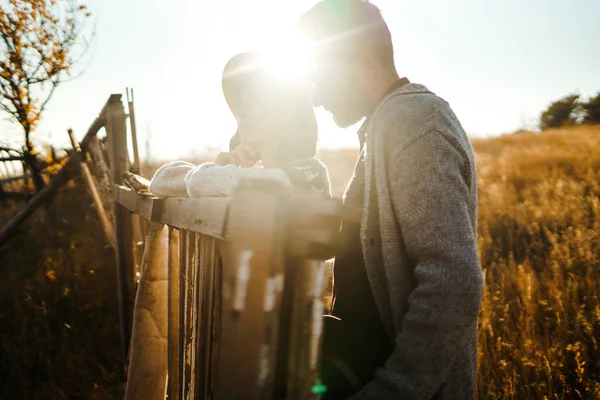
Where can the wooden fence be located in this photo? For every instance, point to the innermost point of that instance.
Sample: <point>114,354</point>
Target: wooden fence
<point>245,288</point>
<point>13,179</point>
<point>245,285</point>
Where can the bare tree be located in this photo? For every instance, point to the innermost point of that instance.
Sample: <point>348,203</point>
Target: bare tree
<point>40,42</point>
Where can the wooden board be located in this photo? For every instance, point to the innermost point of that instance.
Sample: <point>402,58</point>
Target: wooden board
<point>174,355</point>
<point>246,352</point>
<point>201,215</point>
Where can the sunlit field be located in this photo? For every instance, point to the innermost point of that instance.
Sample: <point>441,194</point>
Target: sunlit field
<point>539,241</point>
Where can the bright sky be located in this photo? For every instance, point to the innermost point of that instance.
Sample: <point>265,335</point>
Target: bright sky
<point>498,63</point>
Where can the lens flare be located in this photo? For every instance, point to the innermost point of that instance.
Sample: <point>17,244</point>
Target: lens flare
<point>287,59</point>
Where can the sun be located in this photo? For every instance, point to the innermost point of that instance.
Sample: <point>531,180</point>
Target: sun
<point>287,58</point>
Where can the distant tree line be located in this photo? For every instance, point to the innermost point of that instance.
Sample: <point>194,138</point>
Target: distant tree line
<point>571,110</point>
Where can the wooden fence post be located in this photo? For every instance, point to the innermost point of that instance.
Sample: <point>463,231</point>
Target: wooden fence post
<point>147,372</point>
<point>102,172</point>
<point>135,167</point>
<point>117,137</point>
<point>174,355</point>
<point>93,191</point>
<point>251,291</point>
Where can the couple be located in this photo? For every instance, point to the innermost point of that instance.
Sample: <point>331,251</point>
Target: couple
<point>277,128</point>
<point>408,277</point>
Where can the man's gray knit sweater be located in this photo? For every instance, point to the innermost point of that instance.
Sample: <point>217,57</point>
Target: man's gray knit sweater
<point>418,237</point>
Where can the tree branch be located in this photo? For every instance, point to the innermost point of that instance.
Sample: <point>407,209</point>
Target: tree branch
<point>43,106</point>
<point>38,41</point>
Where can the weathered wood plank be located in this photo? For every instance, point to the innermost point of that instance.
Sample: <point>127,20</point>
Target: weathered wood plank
<point>116,134</point>
<point>135,167</point>
<point>139,243</point>
<point>147,206</point>
<point>216,340</point>
<point>173,353</point>
<point>208,265</point>
<point>301,369</point>
<point>202,215</point>
<point>188,304</point>
<point>195,317</point>
<point>96,153</point>
<point>253,237</point>
<point>183,243</point>
<point>124,255</point>
<point>148,354</point>
<point>93,192</point>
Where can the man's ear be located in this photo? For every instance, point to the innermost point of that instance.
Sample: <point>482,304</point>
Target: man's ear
<point>368,66</point>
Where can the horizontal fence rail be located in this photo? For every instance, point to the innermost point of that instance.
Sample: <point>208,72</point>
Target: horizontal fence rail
<point>12,176</point>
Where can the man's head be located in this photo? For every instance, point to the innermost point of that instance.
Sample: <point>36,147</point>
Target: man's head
<point>351,57</point>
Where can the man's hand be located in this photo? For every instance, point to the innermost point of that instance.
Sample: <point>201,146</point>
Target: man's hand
<point>242,156</point>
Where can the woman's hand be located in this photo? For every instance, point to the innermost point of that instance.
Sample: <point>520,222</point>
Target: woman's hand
<point>242,156</point>
<point>226,159</point>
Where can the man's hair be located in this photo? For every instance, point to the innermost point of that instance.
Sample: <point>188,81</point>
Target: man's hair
<point>346,27</point>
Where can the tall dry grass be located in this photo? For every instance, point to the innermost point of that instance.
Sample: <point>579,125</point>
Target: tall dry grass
<point>539,241</point>
<point>59,335</point>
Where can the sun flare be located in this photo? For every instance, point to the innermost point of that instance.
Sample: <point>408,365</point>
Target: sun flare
<point>288,59</point>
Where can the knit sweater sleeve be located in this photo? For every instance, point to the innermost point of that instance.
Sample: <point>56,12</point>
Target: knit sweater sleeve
<point>430,196</point>
<point>212,180</point>
<point>169,179</point>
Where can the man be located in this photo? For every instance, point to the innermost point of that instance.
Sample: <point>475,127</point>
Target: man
<point>409,275</point>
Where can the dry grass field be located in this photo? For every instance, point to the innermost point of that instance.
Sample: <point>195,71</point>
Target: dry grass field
<point>59,334</point>
<point>539,239</point>
<point>539,242</point>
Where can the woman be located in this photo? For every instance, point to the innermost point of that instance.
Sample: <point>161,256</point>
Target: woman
<point>277,128</point>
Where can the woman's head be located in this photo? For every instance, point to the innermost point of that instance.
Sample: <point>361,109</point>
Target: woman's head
<point>269,111</point>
